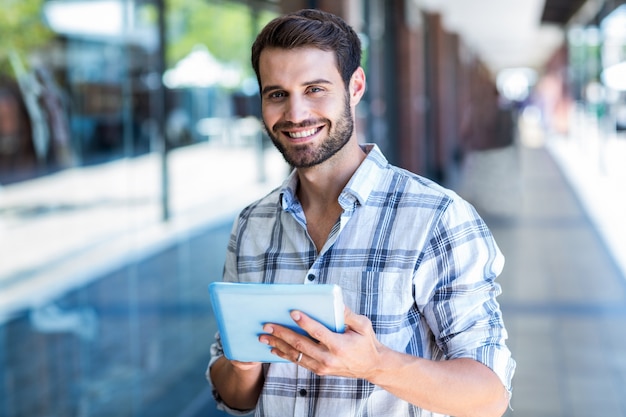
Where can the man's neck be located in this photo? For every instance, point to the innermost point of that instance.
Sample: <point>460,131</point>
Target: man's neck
<point>321,185</point>
<point>319,190</point>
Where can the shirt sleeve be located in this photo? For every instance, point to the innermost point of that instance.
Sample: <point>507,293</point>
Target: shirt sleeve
<point>462,261</point>
<point>216,353</point>
<point>217,350</point>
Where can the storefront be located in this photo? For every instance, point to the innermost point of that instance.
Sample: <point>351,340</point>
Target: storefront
<point>613,75</point>
<point>86,88</point>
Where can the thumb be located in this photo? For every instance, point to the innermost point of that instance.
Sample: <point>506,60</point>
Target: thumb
<point>356,322</point>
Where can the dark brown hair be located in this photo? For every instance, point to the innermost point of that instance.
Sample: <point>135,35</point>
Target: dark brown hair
<point>311,28</point>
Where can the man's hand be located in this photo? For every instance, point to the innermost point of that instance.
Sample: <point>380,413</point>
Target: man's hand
<point>238,383</point>
<point>244,366</point>
<point>354,353</point>
<point>461,387</point>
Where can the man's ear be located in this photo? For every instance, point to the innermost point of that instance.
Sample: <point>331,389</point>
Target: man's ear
<point>357,86</point>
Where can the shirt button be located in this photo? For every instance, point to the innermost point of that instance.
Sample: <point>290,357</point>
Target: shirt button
<point>311,277</point>
<point>302,392</point>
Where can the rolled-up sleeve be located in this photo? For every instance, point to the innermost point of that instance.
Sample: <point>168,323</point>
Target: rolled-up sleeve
<point>216,353</point>
<point>461,264</point>
<point>217,350</point>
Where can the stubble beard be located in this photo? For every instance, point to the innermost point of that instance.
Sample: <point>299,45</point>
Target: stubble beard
<point>308,155</point>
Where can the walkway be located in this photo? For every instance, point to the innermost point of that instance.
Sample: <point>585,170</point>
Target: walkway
<point>564,296</point>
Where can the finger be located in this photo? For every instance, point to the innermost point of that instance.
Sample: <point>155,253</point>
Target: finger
<point>240,363</point>
<point>285,342</point>
<point>244,366</point>
<point>314,328</point>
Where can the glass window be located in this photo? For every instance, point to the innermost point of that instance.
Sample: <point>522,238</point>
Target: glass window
<point>129,139</point>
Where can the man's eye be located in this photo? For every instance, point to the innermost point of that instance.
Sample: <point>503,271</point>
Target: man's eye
<point>316,89</point>
<point>277,94</point>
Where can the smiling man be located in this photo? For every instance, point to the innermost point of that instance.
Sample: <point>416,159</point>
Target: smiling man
<point>297,107</point>
<point>417,266</point>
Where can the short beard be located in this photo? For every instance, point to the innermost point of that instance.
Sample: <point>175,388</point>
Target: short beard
<point>306,156</point>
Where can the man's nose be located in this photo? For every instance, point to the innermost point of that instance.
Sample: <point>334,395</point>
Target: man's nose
<point>297,109</point>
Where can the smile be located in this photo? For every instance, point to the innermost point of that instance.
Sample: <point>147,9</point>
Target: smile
<point>303,133</point>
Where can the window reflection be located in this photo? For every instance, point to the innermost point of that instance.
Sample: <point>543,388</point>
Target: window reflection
<point>103,306</point>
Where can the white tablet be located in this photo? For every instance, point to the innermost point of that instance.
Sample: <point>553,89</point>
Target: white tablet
<point>241,310</point>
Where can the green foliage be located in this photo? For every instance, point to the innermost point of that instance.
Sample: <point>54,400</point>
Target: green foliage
<point>226,28</point>
<point>21,29</point>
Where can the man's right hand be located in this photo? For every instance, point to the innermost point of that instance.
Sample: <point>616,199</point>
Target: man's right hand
<point>244,366</point>
<point>239,384</point>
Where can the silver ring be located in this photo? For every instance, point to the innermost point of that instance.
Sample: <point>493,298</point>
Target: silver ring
<point>299,357</point>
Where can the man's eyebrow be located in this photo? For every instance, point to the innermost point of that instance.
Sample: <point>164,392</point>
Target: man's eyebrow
<point>318,81</point>
<point>269,88</point>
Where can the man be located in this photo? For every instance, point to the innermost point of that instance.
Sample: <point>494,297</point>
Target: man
<point>424,334</point>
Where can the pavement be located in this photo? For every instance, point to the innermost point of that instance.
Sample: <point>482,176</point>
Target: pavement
<point>552,202</point>
<point>554,206</point>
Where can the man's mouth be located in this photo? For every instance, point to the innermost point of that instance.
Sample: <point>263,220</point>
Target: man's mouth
<point>303,133</point>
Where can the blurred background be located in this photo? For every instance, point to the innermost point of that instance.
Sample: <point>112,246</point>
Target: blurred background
<point>130,138</point>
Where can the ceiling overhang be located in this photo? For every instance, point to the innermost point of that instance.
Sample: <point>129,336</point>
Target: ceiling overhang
<point>560,12</point>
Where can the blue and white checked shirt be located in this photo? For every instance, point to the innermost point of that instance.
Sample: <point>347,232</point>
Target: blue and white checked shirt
<point>412,256</point>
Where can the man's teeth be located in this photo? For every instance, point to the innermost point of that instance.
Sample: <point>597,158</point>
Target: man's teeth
<point>303,134</point>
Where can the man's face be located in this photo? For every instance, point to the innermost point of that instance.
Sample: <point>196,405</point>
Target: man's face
<point>306,108</point>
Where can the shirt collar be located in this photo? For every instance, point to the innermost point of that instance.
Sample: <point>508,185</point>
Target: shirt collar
<point>288,196</point>
<point>358,188</point>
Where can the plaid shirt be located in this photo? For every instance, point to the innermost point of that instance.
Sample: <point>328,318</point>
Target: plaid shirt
<point>413,257</point>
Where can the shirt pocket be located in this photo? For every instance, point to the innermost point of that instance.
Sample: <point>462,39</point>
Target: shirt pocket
<point>386,298</point>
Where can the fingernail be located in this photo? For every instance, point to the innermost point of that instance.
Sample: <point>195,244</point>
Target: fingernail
<point>268,329</point>
<point>295,315</point>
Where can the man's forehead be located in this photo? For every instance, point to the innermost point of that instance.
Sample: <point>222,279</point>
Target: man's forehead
<point>304,63</point>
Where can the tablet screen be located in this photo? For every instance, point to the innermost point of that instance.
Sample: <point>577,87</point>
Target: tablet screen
<point>241,310</point>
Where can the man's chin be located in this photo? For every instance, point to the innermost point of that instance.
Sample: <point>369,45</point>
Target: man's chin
<point>298,156</point>
<point>300,161</point>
